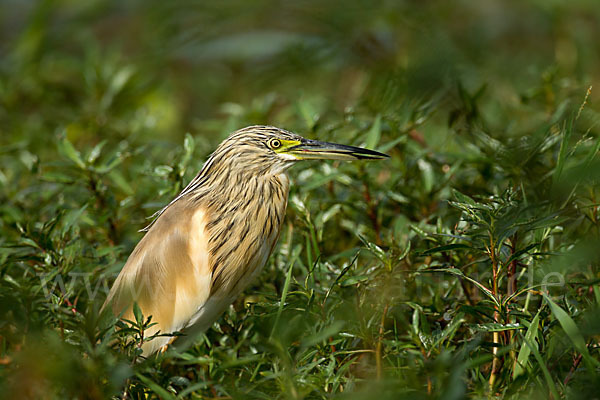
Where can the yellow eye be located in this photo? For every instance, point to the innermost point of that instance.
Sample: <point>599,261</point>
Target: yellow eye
<point>275,143</point>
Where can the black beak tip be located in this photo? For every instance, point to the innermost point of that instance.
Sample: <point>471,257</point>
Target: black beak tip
<point>359,153</point>
<point>367,154</point>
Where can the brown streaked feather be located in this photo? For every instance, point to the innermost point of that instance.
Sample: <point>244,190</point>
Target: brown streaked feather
<point>240,246</point>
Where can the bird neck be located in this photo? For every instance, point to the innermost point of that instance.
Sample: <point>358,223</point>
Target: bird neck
<point>245,193</point>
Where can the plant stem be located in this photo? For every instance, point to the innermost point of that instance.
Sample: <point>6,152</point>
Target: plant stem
<point>378,360</point>
<point>576,361</point>
<point>511,287</point>
<point>496,335</point>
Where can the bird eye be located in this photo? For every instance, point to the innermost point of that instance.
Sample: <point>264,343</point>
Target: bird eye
<point>275,143</point>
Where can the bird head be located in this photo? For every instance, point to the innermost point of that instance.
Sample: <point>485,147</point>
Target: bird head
<point>274,149</point>
<point>257,152</point>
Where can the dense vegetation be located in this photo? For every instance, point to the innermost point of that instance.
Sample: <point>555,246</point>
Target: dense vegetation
<point>467,265</point>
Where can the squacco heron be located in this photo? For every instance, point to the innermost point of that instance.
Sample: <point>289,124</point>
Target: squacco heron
<point>212,239</point>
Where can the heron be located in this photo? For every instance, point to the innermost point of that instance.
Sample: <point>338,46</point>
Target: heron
<point>206,245</point>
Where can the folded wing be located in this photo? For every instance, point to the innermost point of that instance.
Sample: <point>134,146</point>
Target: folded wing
<point>167,274</point>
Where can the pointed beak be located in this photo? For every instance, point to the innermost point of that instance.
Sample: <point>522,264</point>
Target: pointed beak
<point>315,150</point>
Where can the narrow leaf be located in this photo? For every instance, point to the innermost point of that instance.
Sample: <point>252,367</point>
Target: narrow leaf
<point>495,327</point>
<point>426,174</point>
<point>286,288</point>
<point>155,387</point>
<point>572,332</point>
<point>525,347</point>
<point>374,134</point>
<point>66,148</point>
<point>326,333</point>
<point>453,246</point>
<point>96,151</point>
<point>538,357</point>
<point>450,330</point>
<point>459,273</point>
<point>562,154</point>
<point>188,150</point>
<point>70,219</point>
<point>137,312</point>
<point>519,253</point>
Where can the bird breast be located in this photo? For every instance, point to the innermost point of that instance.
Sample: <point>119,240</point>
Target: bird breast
<point>235,239</point>
<point>243,232</point>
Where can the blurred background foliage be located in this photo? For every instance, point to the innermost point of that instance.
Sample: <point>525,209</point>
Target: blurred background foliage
<point>464,266</point>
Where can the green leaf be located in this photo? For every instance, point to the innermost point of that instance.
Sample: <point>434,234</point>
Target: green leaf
<point>58,177</point>
<point>398,197</point>
<point>320,336</point>
<point>188,151</point>
<point>71,217</point>
<point>112,162</point>
<point>538,357</point>
<point>572,332</point>
<point>319,180</point>
<point>453,246</point>
<point>519,292</point>
<point>286,287</point>
<point>155,387</point>
<point>96,151</point>
<point>592,154</point>
<point>562,154</point>
<point>119,180</point>
<point>390,145</point>
<point>525,347</point>
<point>459,273</point>
<point>519,253</point>
<point>597,295</point>
<point>137,312</point>
<point>163,170</point>
<point>353,280</point>
<point>495,327</point>
<point>308,113</point>
<point>405,252</point>
<point>426,174</point>
<point>464,199</point>
<point>374,134</point>
<point>66,148</point>
<point>451,329</point>
<point>375,250</point>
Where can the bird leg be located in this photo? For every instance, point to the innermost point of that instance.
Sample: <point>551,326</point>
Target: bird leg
<point>164,348</point>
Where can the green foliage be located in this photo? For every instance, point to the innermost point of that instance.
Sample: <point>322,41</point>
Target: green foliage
<point>465,266</point>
